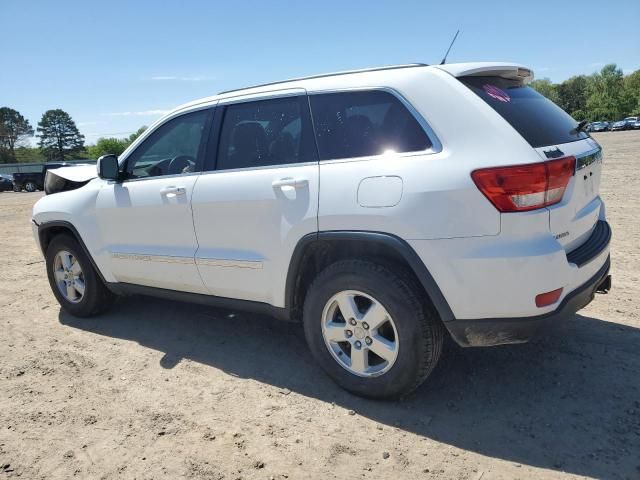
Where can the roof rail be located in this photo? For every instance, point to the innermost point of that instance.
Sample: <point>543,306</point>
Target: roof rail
<point>346,72</point>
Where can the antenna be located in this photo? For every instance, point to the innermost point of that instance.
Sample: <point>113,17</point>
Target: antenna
<point>449,49</point>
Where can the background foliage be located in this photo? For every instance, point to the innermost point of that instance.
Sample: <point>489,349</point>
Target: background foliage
<point>605,95</point>
<point>113,145</point>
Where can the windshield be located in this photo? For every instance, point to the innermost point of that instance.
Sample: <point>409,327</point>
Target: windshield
<point>540,121</point>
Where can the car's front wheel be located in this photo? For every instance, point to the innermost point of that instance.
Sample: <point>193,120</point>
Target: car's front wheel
<point>17,188</point>
<point>30,187</point>
<point>73,279</point>
<point>370,329</point>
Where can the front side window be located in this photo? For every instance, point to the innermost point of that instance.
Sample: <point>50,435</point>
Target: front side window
<point>171,149</point>
<point>360,124</point>
<point>265,132</point>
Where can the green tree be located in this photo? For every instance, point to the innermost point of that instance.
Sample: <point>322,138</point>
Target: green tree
<point>136,134</point>
<point>14,130</point>
<point>112,145</point>
<point>608,99</point>
<point>59,136</point>
<point>632,87</point>
<point>106,146</point>
<point>546,88</point>
<point>28,155</point>
<point>572,96</point>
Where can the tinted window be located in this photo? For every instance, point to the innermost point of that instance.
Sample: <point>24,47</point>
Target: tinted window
<point>359,124</point>
<point>171,149</point>
<point>540,121</point>
<point>266,132</point>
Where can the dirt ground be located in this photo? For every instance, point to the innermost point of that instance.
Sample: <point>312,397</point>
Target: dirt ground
<point>158,389</point>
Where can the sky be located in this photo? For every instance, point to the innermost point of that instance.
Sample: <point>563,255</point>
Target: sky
<point>116,65</point>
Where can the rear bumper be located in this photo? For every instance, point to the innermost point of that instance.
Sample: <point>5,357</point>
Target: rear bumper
<point>497,331</point>
<point>490,283</point>
<point>595,244</point>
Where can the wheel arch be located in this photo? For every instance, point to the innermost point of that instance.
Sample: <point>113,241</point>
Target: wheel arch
<point>47,231</point>
<point>315,251</point>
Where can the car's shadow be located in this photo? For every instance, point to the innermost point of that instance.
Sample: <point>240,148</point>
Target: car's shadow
<point>569,401</point>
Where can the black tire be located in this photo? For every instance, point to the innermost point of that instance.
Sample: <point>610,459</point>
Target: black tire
<point>30,187</point>
<point>97,297</point>
<point>419,329</point>
<point>17,188</point>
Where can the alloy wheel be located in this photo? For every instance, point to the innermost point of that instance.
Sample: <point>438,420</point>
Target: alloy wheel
<point>359,333</point>
<point>68,276</point>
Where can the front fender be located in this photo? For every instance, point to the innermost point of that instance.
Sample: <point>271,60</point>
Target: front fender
<point>74,210</point>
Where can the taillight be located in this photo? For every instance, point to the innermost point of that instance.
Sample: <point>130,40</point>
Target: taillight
<point>525,187</point>
<point>560,172</point>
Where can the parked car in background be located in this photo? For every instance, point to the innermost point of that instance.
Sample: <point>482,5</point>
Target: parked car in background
<point>620,125</point>
<point>632,122</point>
<point>599,127</point>
<point>32,181</point>
<point>6,182</point>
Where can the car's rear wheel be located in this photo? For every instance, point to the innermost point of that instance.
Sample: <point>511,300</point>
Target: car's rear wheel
<point>30,187</point>
<point>17,188</point>
<point>73,279</point>
<point>370,329</point>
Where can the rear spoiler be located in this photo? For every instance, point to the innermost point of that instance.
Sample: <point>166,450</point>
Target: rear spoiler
<point>511,71</point>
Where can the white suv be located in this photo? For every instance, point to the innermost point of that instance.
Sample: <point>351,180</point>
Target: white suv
<point>382,208</point>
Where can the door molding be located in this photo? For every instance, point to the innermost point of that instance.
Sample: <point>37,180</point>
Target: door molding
<point>145,257</point>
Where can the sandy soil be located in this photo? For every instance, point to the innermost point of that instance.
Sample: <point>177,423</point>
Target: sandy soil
<point>166,390</point>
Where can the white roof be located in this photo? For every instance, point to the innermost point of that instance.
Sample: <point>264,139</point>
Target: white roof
<point>372,76</point>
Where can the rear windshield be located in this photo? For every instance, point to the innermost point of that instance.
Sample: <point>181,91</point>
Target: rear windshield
<point>540,121</point>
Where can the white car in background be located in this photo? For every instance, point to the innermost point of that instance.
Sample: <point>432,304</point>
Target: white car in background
<point>382,208</point>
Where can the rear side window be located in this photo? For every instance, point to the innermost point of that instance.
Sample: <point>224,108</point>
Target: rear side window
<point>540,121</point>
<point>360,124</point>
<point>265,132</point>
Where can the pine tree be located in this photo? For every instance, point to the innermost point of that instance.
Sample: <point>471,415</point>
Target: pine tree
<point>59,136</point>
<point>14,129</point>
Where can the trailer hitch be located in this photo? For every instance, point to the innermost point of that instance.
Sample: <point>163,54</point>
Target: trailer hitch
<point>605,285</point>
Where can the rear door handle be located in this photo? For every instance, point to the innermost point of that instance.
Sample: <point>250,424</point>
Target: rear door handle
<point>290,182</point>
<point>173,190</point>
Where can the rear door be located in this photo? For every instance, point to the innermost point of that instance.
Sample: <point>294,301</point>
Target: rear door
<point>258,197</point>
<point>552,133</point>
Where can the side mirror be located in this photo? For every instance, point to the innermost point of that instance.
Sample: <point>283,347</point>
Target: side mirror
<point>108,168</point>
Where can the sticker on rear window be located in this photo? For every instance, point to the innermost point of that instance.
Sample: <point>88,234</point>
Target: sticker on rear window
<point>496,93</point>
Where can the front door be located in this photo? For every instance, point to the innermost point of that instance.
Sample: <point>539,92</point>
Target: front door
<point>145,221</point>
<point>259,197</point>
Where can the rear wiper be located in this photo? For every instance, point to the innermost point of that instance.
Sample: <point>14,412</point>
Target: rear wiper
<point>580,127</point>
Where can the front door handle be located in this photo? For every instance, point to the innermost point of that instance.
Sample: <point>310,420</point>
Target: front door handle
<point>173,190</point>
<point>290,182</point>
